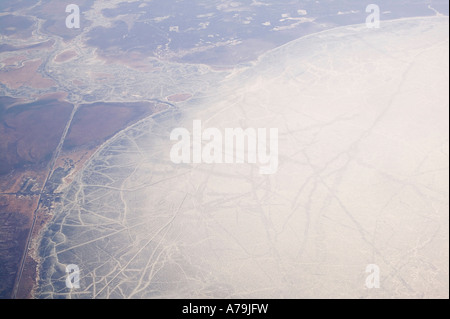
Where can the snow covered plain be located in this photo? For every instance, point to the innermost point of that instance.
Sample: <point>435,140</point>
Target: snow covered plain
<point>363,179</point>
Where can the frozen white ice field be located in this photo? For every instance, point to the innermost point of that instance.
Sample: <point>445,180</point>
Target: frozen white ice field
<point>363,179</point>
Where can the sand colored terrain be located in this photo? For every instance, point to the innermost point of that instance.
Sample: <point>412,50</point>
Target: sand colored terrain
<point>72,162</point>
<point>65,56</point>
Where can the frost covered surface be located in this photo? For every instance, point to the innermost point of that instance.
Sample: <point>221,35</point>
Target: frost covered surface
<point>362,179</point>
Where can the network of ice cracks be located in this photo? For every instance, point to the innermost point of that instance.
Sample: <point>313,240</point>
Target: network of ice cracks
<point>362,179</point>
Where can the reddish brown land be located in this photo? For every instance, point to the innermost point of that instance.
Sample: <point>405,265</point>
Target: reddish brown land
<point>27,74</point>
<point>78,83</point>
<point>15,222</point>
<point>30,47</point>
<point>6,102</point>
<point>31,132</point>
<point>13,61</point>
<point>179,97</point>
<point>133,60</point>
<point>22,181</point>
<point>94,123</point>
<point>16,26</point>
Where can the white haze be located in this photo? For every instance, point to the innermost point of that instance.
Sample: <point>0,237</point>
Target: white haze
<point>362,179</point>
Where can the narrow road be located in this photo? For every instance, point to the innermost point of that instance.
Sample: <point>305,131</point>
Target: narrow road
<point>41,193</point>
